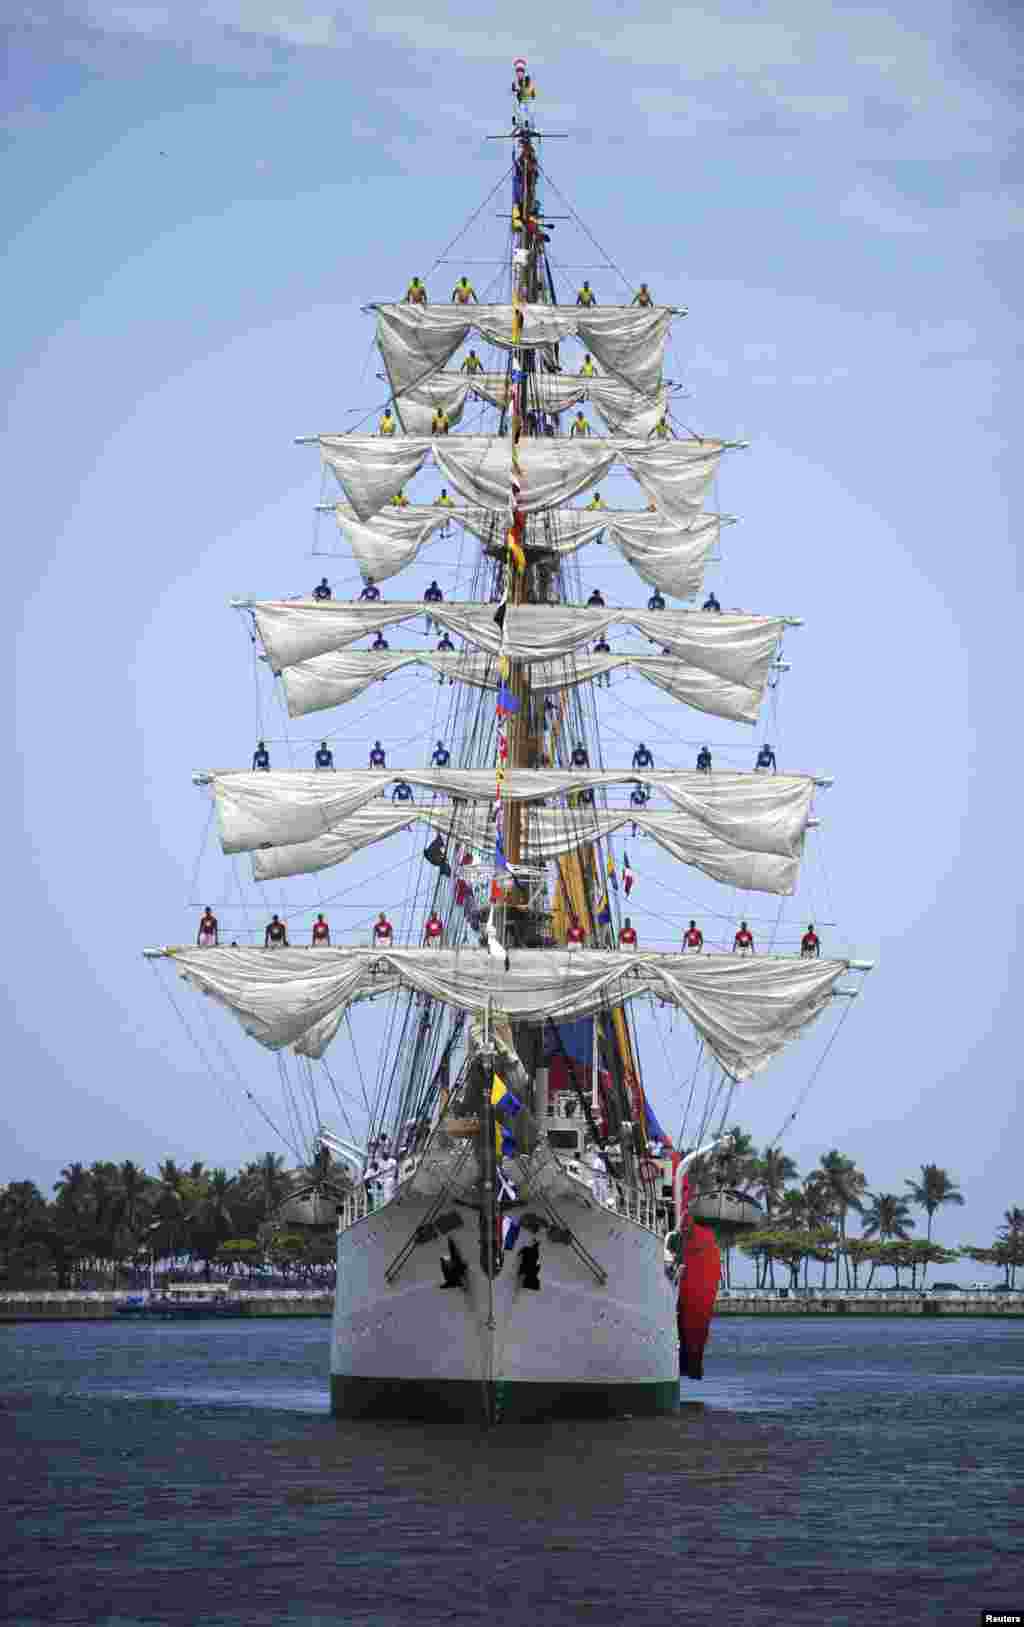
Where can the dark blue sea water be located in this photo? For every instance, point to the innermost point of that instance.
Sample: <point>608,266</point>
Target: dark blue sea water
<point>836,1472</point>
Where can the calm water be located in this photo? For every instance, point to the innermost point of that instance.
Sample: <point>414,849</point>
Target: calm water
<point>830,1472</point>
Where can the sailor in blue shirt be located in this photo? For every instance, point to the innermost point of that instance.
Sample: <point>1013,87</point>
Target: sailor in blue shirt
<point>370,591</point>
<point>322,591</point>
<point>380,642</point>
<point>377,756</point>
<point>642,757</point>
<point>433,595</point>
<point>261,756</point>
<point>638,798</point>
<point>655,602</point>
<point>703,761</point>
<point>580,758</point>
<point>324,758</point>
<point>441,757</point>
<point>765,761</point>
<point>402,791</point>
<point>711,603</point>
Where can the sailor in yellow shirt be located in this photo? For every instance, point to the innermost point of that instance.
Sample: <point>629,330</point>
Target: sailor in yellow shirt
<point>415,294</point>
<point>463,292</point>
<point>439,424</point>
<point>399,500</point>
<point>444,501</point>
<point>642,296</point>
<point>579,425</point>
<point>661,429</point>
<point>588,370</point>
<point>597,501</point>
<point>472,364</point>
<point>585,296</point>
<point>387,423</point>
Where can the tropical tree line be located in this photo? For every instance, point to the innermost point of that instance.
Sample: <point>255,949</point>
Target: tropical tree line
<point>108,1224</point>
<point>113,1224</point>
<point>807,1221</point>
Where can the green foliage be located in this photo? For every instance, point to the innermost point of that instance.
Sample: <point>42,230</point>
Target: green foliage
<point>108,1216</point>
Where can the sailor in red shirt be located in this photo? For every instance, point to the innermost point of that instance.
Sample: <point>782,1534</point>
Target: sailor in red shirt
<point>207,937</point>
<point>693,939</point>
<point>382,932</point>
<point>627,936</point>
<point>810,945</point>
<point>321,933</point>
<point>575,937</point>
<point>743,943</point>
<point>276,935</point>
<point>433,932</point>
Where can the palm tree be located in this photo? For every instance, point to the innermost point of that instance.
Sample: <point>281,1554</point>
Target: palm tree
<point>844,1183</point>
<point>213,1219</point>
<point>793,1209</point>
<point>889,1219</point>
<point>819,1213</point>
<point>73,1187</point>
<point>769,1174</point>
<point>1010,1242</point>
<point>272,1181</point>
<point>935,1188</point>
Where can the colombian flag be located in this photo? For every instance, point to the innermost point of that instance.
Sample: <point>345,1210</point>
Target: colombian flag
<point>610,872</point>
<point>604,913</point>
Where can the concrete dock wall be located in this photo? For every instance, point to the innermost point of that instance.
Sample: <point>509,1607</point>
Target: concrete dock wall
<point>873,1302</point>
<point>54,1306</point>
<point>77,1307</point>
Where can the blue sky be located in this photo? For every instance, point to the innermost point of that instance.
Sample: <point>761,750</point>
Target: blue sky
<point>199,201</point>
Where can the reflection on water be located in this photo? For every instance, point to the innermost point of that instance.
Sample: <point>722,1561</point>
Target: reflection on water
<point>190,1473</point>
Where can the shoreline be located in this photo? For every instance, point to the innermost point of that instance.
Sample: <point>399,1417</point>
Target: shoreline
<point>101,1305</point>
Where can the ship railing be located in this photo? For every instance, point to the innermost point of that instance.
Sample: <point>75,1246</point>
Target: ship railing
<point>356,1206</point>
<point>634,1204</point>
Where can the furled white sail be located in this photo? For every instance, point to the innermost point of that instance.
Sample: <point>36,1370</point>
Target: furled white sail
<point>372,469</point>
<point>391,540</point>
<point>745,1009</point>
<point>626,411</point>
<point>339,677</point>
<point>732,644</point>
<point>546,833</point>
<point>669,554</point>
<point>761,812</point>
<point>628,342</point>
<point>672,558</point>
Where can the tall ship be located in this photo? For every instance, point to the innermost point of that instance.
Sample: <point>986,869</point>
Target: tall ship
<point>516,1237</point>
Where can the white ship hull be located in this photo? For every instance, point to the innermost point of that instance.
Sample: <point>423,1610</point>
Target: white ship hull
<point>408,1348</point>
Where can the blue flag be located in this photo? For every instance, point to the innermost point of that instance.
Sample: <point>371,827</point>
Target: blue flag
<point>654,1129</point>
<point>604,913</point>
<point>507,702</point>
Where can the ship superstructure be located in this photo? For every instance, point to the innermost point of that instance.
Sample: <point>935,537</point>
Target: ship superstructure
<point>501,1252</point>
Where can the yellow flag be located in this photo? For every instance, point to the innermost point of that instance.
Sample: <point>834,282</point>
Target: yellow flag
<point>504,666</point>
<point>498,1089</point>
<point>518,557</point>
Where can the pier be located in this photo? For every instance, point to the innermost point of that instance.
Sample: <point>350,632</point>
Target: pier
<point>866,1302</point>
<point>56,1306</point>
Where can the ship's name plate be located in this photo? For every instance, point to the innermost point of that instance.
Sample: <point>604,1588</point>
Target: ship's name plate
<point>462,1127</point>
